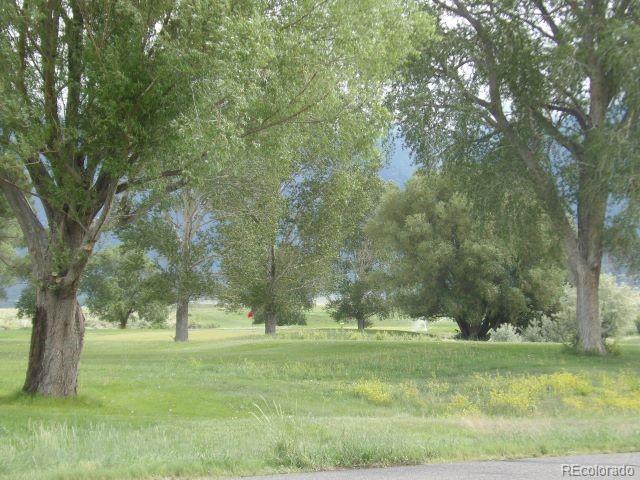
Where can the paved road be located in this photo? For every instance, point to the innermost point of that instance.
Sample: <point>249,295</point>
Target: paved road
<point>530,468</point>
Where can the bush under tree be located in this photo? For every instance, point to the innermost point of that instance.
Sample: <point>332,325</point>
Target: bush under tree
<point>619,305</point>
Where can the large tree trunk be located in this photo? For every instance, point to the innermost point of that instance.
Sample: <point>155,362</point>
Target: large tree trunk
<point>270,322</point>
<point>472,331</point>
<point>182,320</point>
<point>361,323</point>
<point>482,331</point>
<point>587,260</point>
<point>124,318</point>
<point>588,311</point>
<point>464,327</point>
<point>56,344</point>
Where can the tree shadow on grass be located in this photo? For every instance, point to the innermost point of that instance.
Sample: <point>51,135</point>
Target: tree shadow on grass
<point>24,399</point>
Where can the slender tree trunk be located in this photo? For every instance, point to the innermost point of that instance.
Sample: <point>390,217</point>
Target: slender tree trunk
<point>190,213</point>
<point>361,323</point>
<point>270,322</point>
<point>56,344</point>
<point>182,320</point>
<point>270,316</point>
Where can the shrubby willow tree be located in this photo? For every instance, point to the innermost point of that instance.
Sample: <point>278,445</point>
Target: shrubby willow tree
<point>448,259</point>
<point>554,83</point>
<point>119,282</point>
<point>180,232</point>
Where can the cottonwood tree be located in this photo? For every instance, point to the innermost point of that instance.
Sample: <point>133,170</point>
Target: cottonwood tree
<point>277,252</point>
<point>92,96</point>
<point>119,282</point>
<point>554,83</point>
<point>87,90</point>
<point>447,259</point>
<point>295,197</point>
<point>180,232</point>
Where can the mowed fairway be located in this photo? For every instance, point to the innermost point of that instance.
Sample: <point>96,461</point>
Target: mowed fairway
<point>232,402</point>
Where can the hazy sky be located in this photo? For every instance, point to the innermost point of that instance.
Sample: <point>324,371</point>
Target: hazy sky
<point>400,166</point>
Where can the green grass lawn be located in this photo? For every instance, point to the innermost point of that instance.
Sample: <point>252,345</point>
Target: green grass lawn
<point>208,316</point>
<point>232,402</point>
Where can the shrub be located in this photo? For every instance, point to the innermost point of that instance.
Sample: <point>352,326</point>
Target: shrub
<point>555,329</point>
<point>505,333</point>
<point>638,324</point>
<point>618,306</point>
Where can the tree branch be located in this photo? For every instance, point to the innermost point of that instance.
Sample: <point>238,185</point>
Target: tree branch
<point>34,233</point>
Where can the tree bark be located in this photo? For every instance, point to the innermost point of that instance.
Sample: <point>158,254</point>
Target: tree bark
<point>472,331</point>
<point>588,311</point>
<point>124,319</point>
<point>270,322</point>
<point>56,344</point>
<point>586,260</point>
<point>182,320</point>
<point>361,323</point>
<point>482,330</point>
<point>463,325</point>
